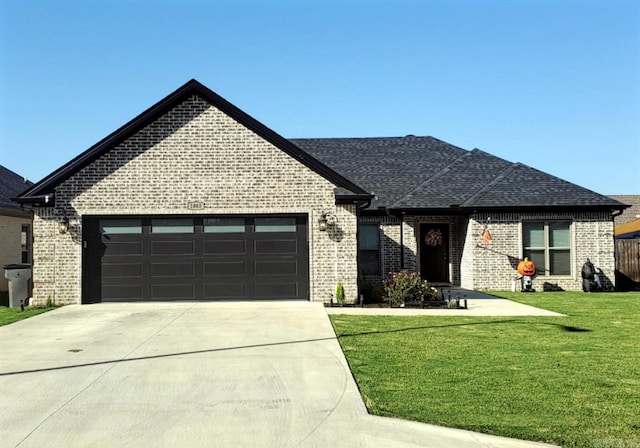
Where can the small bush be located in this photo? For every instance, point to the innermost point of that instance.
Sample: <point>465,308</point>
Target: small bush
<point>340,294</point>
<point>372,291</point>
<point>404,286</point>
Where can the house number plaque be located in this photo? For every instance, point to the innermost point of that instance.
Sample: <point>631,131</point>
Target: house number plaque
<point>195,205</point>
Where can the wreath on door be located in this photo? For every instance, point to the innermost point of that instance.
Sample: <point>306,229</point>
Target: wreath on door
<point>433,237</point>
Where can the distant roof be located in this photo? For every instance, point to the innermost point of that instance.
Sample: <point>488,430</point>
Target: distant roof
<point>429,174</point>
<point>11,185</point>
<point>632,212</point>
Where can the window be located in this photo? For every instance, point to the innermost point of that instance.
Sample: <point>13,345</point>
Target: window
<point>223,225</point>
<point>170,225</point>
<point>268,225</point>
<point>548,245</point>
<point>369,249</point>
<point>25,242</point>
<point>121,226</point>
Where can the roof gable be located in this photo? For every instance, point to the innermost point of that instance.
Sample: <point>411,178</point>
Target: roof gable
<point>193,87</point>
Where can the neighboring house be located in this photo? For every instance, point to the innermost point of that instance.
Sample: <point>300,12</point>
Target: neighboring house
<point>194,199</point>
<point>630,214</point>
<point>15,223</point>
<point>627,224</point>
<point>627,234</point>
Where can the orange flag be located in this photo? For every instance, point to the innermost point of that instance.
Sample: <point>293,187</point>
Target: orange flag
<point>486,235</point>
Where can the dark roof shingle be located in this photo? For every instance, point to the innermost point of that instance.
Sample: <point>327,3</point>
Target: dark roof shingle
<point>11,185</point>
<point>427,173</point>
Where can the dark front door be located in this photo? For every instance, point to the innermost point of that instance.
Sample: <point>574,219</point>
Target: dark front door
<point>434,252</point>
<point>195,258</point>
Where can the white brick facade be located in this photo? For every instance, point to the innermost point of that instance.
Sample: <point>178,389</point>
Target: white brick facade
<point>193,153</point>
<point>479,266</point>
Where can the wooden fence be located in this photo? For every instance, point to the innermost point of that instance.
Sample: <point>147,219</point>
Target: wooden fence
<point>628,264</point>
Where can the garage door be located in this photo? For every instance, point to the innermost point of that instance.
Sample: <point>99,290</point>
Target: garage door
<point>202,258</point>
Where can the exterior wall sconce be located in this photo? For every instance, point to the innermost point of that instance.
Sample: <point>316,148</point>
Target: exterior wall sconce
<point>63,225</point>
<point>325,220</point>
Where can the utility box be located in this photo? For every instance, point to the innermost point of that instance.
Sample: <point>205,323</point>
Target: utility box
<point>18,276</point>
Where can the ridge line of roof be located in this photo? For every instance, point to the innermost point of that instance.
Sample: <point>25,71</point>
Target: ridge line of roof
<point>495,180</point>
<point>431,179</point>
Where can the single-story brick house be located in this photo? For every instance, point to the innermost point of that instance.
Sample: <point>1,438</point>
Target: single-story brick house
<point>194,199</point>
<point>15,223</point>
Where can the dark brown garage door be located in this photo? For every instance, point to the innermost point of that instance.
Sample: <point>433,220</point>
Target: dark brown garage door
<point>202,258</point>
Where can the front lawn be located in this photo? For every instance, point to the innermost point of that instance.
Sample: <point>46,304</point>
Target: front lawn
<point>10,315</point>
<point>572,381</point>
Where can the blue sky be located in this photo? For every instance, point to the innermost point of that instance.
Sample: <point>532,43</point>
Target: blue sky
<point>552,84</point>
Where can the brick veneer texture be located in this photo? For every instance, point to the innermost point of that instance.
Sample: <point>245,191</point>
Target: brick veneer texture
<point>475,265</point>
<point>193,153</point>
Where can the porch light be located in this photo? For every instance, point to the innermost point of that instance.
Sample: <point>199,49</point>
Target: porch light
<point>322,223</point>
<point>63,225</point>
<point>325,220</point>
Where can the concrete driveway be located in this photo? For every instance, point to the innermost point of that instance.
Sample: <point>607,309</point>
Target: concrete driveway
<point>192,375</point>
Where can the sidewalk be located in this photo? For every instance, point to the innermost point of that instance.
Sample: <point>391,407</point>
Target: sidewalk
<point>478,304</point>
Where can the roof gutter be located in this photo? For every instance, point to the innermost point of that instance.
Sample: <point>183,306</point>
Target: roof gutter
<point>45,200</point>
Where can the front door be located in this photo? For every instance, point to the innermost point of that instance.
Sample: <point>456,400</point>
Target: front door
<point>434,252</point>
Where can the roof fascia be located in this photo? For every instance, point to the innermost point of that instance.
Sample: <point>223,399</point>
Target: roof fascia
<point>443,211</point>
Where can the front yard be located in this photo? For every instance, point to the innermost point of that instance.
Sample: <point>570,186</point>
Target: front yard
<point>10,315</point>
<point>572,381</point>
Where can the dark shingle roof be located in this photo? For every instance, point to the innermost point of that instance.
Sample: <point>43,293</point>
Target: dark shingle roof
<point>11,185</point>
<point>427,173</point>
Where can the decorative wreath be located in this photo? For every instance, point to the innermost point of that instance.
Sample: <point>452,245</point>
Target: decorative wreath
<point>433,238</point>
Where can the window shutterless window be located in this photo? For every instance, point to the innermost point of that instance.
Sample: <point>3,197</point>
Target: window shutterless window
<point>172,225</point>
<point>25,243</point>
<point>548,245</point>
<point>369,249</point>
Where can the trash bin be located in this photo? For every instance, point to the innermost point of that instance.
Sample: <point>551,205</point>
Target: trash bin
<point>18,276</point>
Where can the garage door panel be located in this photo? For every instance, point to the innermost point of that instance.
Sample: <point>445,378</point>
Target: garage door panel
<point>224,247</point>
<point>121,291</point>
<point>173,290</point>
<point>276,290</point>
<point>225,268</point>
<point>122,270</point>
<point>178,269</point>
<point>172,248</point>
<point>116,248</point>
<point>225,290</point>
<point>276,246</point>
<point>276,267</point>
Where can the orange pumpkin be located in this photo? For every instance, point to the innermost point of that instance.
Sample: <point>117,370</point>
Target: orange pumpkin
<point>526,267</point>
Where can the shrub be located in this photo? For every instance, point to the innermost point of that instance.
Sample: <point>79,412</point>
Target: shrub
<point>340,294</point>
<point>372,291</point>
<point>405,286</point>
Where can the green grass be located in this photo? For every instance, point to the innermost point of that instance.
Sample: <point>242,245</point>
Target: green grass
<point>11,315</point>
<point>572,381</point>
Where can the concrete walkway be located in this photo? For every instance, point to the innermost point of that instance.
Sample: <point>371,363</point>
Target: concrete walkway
<point>193,375</point>
<point>478,304</point>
